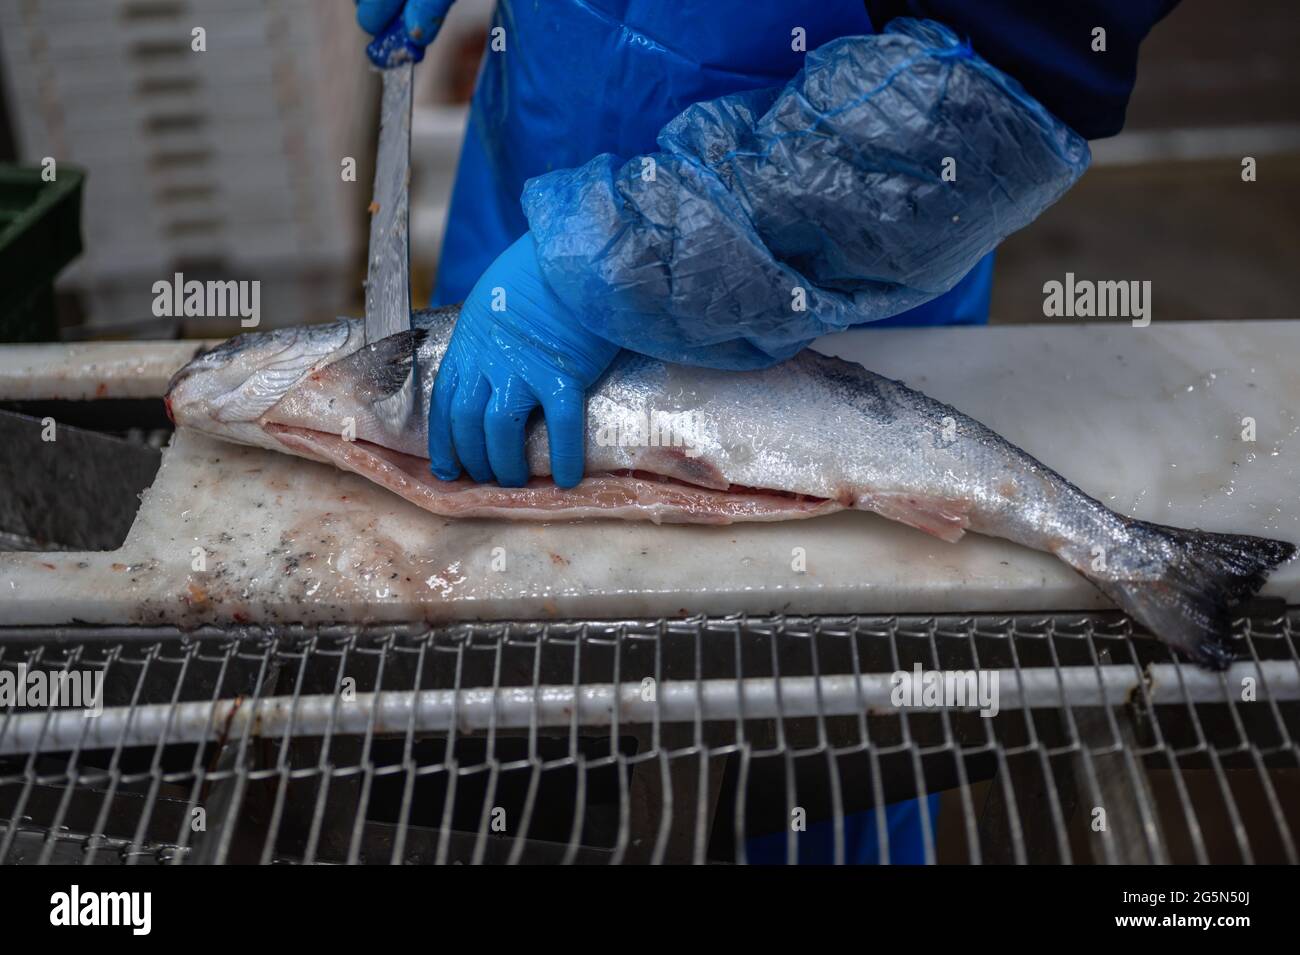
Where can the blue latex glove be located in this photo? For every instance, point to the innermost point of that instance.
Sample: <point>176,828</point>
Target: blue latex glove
<point>421,18</point>
<point>515,347</point>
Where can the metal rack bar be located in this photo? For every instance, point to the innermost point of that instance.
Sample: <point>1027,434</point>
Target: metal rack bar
<point>595,704</point>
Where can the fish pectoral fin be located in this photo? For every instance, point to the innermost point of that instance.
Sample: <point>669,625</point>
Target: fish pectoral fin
<point>944,519</point>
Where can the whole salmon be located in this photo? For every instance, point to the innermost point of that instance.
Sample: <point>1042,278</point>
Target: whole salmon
<point>669,443</point>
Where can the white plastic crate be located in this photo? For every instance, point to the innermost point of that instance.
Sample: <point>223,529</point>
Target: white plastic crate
<point>229,157</point>
<point>307,292</point>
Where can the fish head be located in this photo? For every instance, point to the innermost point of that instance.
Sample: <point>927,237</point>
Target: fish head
<point>225,392</point>
<point>357,396</point>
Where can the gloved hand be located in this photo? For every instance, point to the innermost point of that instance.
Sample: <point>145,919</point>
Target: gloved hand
<point>421,18</point>
<point>515,346</point>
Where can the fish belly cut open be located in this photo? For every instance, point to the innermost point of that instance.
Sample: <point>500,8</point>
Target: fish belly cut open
<point>633,496</point>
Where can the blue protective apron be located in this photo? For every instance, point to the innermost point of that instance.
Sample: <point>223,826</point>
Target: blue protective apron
<point>584,77</point>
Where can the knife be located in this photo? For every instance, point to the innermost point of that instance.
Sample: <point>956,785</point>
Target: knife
<point>388,268</point>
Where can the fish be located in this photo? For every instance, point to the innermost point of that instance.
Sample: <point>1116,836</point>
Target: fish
<point>676,444</point>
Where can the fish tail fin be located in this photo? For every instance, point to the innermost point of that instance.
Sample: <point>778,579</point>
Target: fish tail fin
<point>1199,581</point>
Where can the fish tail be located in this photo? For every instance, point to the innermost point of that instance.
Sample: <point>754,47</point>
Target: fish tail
<point>1189,591</point>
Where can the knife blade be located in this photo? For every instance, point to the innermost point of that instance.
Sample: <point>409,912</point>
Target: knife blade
<point>388,283</point>
<point>388,267</point>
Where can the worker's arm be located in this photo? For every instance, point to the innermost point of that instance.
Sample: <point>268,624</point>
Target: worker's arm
<point>869,184</point>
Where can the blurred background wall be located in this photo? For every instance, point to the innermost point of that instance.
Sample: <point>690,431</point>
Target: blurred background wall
<point>1164,200</point>
<point>228,166</point>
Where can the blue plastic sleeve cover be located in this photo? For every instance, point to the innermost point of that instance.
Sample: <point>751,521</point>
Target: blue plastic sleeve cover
<point>869,184</point>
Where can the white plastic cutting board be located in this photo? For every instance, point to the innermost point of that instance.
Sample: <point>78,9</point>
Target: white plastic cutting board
<point>1149,420</point>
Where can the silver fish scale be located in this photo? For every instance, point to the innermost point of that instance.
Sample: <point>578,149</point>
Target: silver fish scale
<point>826,428</point>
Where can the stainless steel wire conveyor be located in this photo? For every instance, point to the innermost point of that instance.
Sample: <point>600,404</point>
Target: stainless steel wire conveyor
<point>650,740</point>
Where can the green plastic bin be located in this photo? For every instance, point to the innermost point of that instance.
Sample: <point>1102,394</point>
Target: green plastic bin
<point>40,233</point>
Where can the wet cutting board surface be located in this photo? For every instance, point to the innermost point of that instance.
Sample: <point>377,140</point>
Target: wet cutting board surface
<point>1148,420</point>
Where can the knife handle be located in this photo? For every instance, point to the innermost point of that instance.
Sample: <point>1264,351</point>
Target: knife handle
<point>393,47</point>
